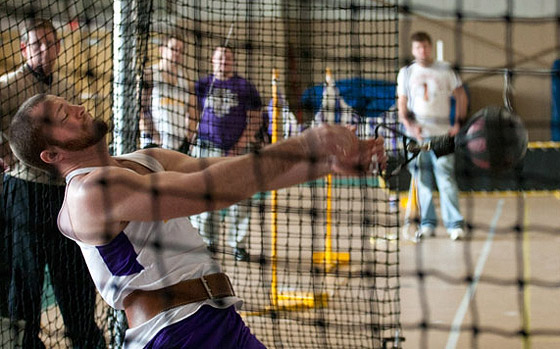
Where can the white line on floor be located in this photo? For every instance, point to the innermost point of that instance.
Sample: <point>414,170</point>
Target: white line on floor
<point>471,289</point>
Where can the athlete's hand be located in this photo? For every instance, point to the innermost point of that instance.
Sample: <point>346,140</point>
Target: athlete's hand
<point>345,152</point>
<point>369,157</point>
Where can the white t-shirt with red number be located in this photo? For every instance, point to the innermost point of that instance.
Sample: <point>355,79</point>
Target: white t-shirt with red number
<point>429,91</point>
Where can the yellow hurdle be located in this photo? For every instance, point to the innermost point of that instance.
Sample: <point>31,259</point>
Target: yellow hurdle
<point>328,259</point>
<point>284,300</point>
<point>412,209</point>
<point>273,197</point>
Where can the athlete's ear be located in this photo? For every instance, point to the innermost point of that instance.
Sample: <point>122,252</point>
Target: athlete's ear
<point>50,156</point>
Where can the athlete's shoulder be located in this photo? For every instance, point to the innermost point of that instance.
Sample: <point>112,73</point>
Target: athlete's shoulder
<point>206,79</point>
<point>245,80</point>
<point>96,176</point>
<point>407,69</point>
<point>203,83</point>
<point>17,76</point>
<point>409,65</point>
<point>9,77</point>
<point>442,65</point>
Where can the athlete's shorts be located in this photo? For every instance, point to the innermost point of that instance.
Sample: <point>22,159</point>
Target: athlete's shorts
<point>208,328</point>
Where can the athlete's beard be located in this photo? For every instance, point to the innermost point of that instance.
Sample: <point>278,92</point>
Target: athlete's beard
<point>100,129</point>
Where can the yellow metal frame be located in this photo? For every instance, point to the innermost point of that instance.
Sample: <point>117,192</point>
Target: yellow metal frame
<point>284,300</point>
<point>329,259</point>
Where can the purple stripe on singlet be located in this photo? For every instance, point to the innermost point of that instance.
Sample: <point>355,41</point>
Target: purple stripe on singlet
<point>209,327</point>
<point>120,257</point>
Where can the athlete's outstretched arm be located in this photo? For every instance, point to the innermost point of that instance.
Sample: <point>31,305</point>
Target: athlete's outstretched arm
<point>111,195</point>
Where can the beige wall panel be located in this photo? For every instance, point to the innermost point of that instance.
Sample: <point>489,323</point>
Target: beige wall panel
<point>484,46</point>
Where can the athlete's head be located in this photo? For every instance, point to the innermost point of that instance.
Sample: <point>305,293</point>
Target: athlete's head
<point>46,124</point>
<point>422,48</point>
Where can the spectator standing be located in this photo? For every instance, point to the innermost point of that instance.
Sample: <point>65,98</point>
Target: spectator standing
<point>32,200</point>
<point>424,90</point>
<point>167,117</point>
<point>230,122</point>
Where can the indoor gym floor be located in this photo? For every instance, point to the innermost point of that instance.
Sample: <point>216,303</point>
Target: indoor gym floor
<point>494,253</point>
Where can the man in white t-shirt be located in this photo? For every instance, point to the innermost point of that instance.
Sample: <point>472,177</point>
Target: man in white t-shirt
<point>424,90</point>
<point>167,118</point>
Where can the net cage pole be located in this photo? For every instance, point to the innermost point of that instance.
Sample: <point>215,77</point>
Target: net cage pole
<point>328,259</point>
<point>126,22</point>
<point>116,49</point>
<point>128,16</point>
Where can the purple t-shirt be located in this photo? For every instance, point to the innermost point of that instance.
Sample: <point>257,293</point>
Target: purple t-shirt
<point>225,109</point>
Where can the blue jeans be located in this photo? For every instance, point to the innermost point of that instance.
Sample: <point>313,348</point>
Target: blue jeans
<point>424,169</point>
<point>30,223</point>
<point>238,215</point>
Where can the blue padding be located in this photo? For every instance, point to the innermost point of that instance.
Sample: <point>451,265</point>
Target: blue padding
<point>555,109</point>
<point>368,98</point>
<point>452,113</point>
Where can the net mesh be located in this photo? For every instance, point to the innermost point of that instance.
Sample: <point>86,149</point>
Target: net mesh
<point>496,280</point>
<point>329,276</point>
<point>326,265</point>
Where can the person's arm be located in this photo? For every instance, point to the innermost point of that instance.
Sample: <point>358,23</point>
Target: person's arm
<point>405,118</point>
<point>254,120</point>
<point>146,124</point>
<point>461,102</point>
<point>179,162</point>
<point>113,195</point>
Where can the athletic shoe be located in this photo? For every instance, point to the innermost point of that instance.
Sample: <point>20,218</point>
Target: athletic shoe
<point>456,233</point>
<point>408,232</point>
<point>426,231</point>
<point>419,233</point>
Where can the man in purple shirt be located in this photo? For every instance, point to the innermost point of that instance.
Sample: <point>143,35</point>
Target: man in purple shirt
<point>230,119</point>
